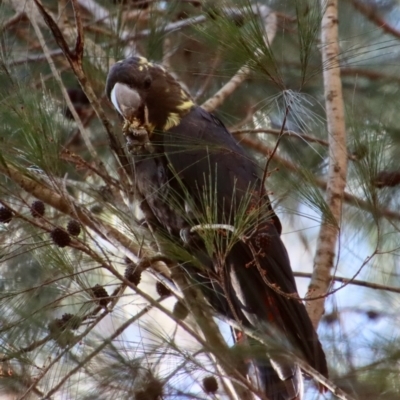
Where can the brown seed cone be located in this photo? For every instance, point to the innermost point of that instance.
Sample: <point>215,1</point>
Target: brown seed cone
<point>180,311</point>
<point>371,314</point>
<point>162,290</point>
<point>74,227</point>
<point>152,391</point>
<point>56,326</point>
<point>210,384</point>
<point>331,318</point>
<point>133,273</point>
<point>5,215</point>
<point>100,293</point>
<point>387,179</point>
<point>60,237</point>
<point>37,209</point>
<point>71,321</point>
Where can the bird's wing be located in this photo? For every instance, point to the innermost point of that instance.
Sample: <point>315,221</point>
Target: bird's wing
<point>218,172</point>
<point>211,164</point>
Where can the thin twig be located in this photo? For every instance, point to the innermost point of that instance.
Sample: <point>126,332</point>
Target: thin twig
<point>319,297</point>
<point>210,75</point>
<point>371,13</point>
<point>263,273</point>
<point>26,349</point>
<point>269,159</point>
<point>356,282</point>
<point>79,44</point>
<point>369,74</point>
<point>300,136</point>
<point>19,16</point>
<point>76,64</point>
<point>278,132</point>
<point>105,343</point>
<point>244,72</point>
<point>222,354</point>
<point>60,203</point>
<point>350,199</point>
<point>35,58</point>
<point>62,353</point>
<point>57,77</point>
<point>172,27</point>
<point>218,98</point>
<point>115,296</point>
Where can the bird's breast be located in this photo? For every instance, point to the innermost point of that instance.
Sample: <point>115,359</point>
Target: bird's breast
<point>154,187</point>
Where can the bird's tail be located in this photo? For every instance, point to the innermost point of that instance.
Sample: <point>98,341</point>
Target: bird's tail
<point>276,376</point>
<point>276,387</point>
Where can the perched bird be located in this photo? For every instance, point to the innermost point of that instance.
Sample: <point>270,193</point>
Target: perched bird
<point>199,188</point>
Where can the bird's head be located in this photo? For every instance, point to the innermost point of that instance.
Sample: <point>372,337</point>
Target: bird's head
<point>146,95</point>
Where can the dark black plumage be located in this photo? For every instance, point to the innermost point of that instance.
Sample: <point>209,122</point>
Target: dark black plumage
<point>195,174</point>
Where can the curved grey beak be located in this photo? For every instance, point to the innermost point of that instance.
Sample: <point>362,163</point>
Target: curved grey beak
<point>126,100</point>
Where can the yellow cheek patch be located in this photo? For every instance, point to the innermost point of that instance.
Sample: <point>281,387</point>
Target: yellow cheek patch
<point>185,105</point>
<point>172,120</point>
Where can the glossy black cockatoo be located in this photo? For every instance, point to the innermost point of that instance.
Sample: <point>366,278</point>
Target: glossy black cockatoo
<point>198,187</point>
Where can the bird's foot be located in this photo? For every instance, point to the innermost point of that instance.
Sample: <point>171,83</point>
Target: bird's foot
<point>189,238</point>
<point>186,235</point>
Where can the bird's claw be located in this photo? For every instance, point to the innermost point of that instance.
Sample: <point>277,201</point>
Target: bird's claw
<point>186,235</point>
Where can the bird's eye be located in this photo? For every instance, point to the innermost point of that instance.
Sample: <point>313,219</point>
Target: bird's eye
<point>147,82</point>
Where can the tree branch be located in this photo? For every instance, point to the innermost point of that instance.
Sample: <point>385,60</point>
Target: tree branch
<point>370,12</point>
<point>77,67</point>
<point>57,77</point>
<point>356,282</point>
<point>67,205</point>
<point>350,199</point>
<point>279,132</point>
<point>330,228</point>
<point>270,21</point>
<point>90,356</point>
